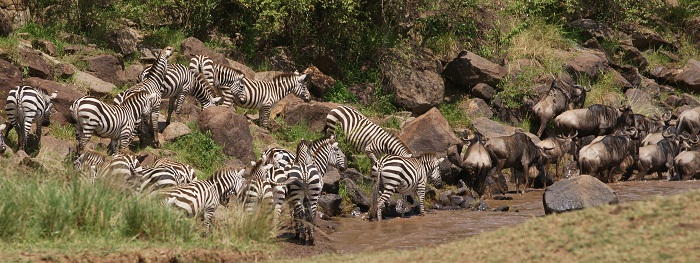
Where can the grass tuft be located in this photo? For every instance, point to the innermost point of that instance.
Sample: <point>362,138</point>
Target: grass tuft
<point>199,150</point>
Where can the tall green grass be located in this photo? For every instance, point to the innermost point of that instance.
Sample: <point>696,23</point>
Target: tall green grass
<point>199,150</point>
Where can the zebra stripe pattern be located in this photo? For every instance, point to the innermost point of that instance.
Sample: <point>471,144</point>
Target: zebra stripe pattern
<point>222,78</point>
<point>177,83</point>
<point>184,172</point>
<point>93,165</point>
<point>304,194</point>
<point>202,198</point>
<point>2,138</point>
<point>281,159</point>
<point>363,134</point>
<point>263,95</point>
<point>262,186</point>
<point>26,106</point>
<point>327,152</point>
<point>403,175</point>
<point>109,121</point>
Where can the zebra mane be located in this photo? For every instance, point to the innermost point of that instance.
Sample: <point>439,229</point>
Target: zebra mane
<point>428,156</point>
<point>285,75</point>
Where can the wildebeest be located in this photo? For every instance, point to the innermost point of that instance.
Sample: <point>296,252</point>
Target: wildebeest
<point>607,152</point>
<point>517,152</point>
<point>687,165</point>
<point>476,161</point>
<point>560,145</point>
<point>689,121</point>
<point>597,119</point>
<point>653,138</point>
<point>658,157</point>
<point>648,125</point>
<point>559,99</point>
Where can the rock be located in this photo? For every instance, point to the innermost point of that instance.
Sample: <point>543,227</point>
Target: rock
<point>415,83</point>
<point>354,175</point>
<point>476,108</point>
<point>587,64</point>
<point>72,49</point>
<point>330,204</point>
<point>125,40</point>
<point>469,69</point>
<point>640,100</point>
<point>67,94</point>
<point>483,91</point>
<point>491,128</point>
<point>192,46</point>
<point>445,199</point>
<point>673,101</point>
<point>503,208</point>
<point>689,78</point>
<point>457,200</point>
<point>364,93</point>
<point>147,55</point>
<point>65,70</point>
<point>175,130</point>
<point>620,81</point>
<point>429,132</point>
<point>35,63</point>
<point>331,180</point>
<point>267,75</point>
<point>328,65</point>
<point>21,158</point>
<point>577,193</point>
<point>96,86</point>
<point>693,29</point>
<point>229,129</point>
<point>631,74</point>
<point>55,148</point>
<point>5,24</point>
<point>634,56</point>
<point>247,72</point>
<point>45,46</point>
<point>690,100</point>
<point>592,29</point>
<point>593,43</point>
<point>650,39</point>
<point>319,84</point>
<point>132,73</point>
<point>108,68</point>
<point>663,74</point>
<point>313,113</point>
<point>357,197</point>
<point>10,76</point>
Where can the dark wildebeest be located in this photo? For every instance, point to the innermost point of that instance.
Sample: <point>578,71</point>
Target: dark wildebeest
<point>476,161</point>
<point>607,152</point>
<point>561,97</point>
<point>653,138</point>
<point>687,165</point>
<point>597,119</point>
<point>659,157</point>
<point>560,145</point>
<point>689,121</point>
<point>517,152</point>
<point>648,125</point>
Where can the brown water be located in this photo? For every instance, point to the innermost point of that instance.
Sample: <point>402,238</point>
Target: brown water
<point>356,235</point>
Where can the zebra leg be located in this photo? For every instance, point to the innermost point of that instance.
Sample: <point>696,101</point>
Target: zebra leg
<point>154,122</point>
<point>264,115</point>
<point>420,190</point>
<point>208,215</point>
<point>38,135</point>
<point>386,194</point>
<point>171,107</point>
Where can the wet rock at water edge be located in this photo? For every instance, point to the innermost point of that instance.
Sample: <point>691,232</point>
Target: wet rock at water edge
<point>330,204</point>
<point>577,193</point>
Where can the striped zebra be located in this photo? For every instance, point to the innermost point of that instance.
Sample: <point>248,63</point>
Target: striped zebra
<point>223,79</point>
<point>165,173</point>
<point>116,122</point>
<point>303,195</point>
<point>2,137</point>
<point>177,83</point>
<point>26,106</point>
<point>185,172</point>
<point>262,184</point>
<point>94,165</point>
<point>151,84</point>
<point>327,152</point>
<point>403,175</point>
<point>202,198</point>
<point>264,95</point>
<point>363,134</point>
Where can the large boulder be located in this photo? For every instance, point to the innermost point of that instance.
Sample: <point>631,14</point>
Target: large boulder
<point>35,63</point>
<point>331,180</point>
<point>313,113</point>
<point>228,129</point>
<point>363,92</point>
<point>577,193</point>
<point>483,91</point>
<point>330,204</point>
<point>192,46</point>
<point>66,95</point>
<point>175,130</point>
<point>95,85</point>
<point>491,129</point>
<point>649,39</point>
<point>640,101</point>
<point>469,69</point>
<point>357,197</point>
<point>125,40</point>
<point>429,132</point>
<point>689,78</point>
<point>5,24</point>
<point>476,108</point>
<point>10,76</point>
<point>318,83</point>
<point>632,55</point>
<point>328,65</point>
<point>415,83</point>
<point>108,68</point>
<point>58,149</point>
<point>587,64</point>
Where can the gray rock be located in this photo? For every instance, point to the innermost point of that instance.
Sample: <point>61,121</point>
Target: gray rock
<point>415,83</point>
<point>587,64</point>
<point>331,180</point>
<point>491,128</point>
<point>108,68</point>
<point>483,91</point>
<point>429,132</point>
<point>35,63</point>
<point>229,129</point>
<point>357,197</point>
<point>649,39</point>
<point>125,39</point>
<point>633,55</point>
<point>175,130</point>
<point>95,85</point>
<point>469,69</point>
<point>577,193</point>
<point>476,108</point>
<point>330,204</point>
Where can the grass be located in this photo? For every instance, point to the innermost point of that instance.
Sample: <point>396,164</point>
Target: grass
<point>456,117</point>
<point>199,150</point>
<point>655,230</point>
<point>62,132</point>
<point>289,136</point>
<point>604,91</point>
<point>8,47</point>
<point>55,212</point>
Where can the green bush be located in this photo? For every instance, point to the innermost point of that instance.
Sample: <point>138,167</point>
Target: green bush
<point>199,150</point>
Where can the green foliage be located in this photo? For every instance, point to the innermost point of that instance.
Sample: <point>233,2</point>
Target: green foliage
<point>62,132</point>
<point>446,25</point>
<point>456,117</point>
<point>8,47</point>
<point>339,93</point>
<point>289,136</point>
<point>199,150</point>
<point>164,36</point>
<point>604,91</point>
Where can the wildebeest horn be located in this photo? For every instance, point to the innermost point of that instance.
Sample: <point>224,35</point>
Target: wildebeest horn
<point>666,134</point>
<point>571,136</point>
<point>697,139</point>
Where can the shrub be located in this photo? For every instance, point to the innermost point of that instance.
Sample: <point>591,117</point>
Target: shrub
<point>199,150</point>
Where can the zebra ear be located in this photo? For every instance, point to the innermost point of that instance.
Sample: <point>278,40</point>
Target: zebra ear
<point>302,78</point>
<point>216,100</point>
<point>335,144</point>
<point>2,127</point>
<point>253,163</point>
<point>54,94</point>
<point>240,172</point>
<point>441,159</point>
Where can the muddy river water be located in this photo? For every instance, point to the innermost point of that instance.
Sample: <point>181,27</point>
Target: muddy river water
<point>355,235</point>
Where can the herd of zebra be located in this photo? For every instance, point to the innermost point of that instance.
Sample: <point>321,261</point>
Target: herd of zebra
<point>278,177</point>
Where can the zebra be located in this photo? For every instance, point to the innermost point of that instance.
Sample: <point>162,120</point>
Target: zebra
<point>261,185</point>
<point>185,172</point>
<point>202,198</point>
<point>26,106</point>
<point>363,134</point>
<point>166,173</point>
<point>116,122</point>
<point>222,78</point>
<point>304,193</point>
<point>93,165</point>
<point>326,151</point>
<point>2,138</point>
<point>152,83</point>
<point>177,83</point>
<point>264,95</point>
<point>397,174</point>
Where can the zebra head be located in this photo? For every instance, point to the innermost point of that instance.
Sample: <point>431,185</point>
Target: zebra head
<point>300,88</point>
<point>257,187</point>
<point>2,139</point>
<point>432,165</point>
<point>336,156</point>
<point>88,159</point>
